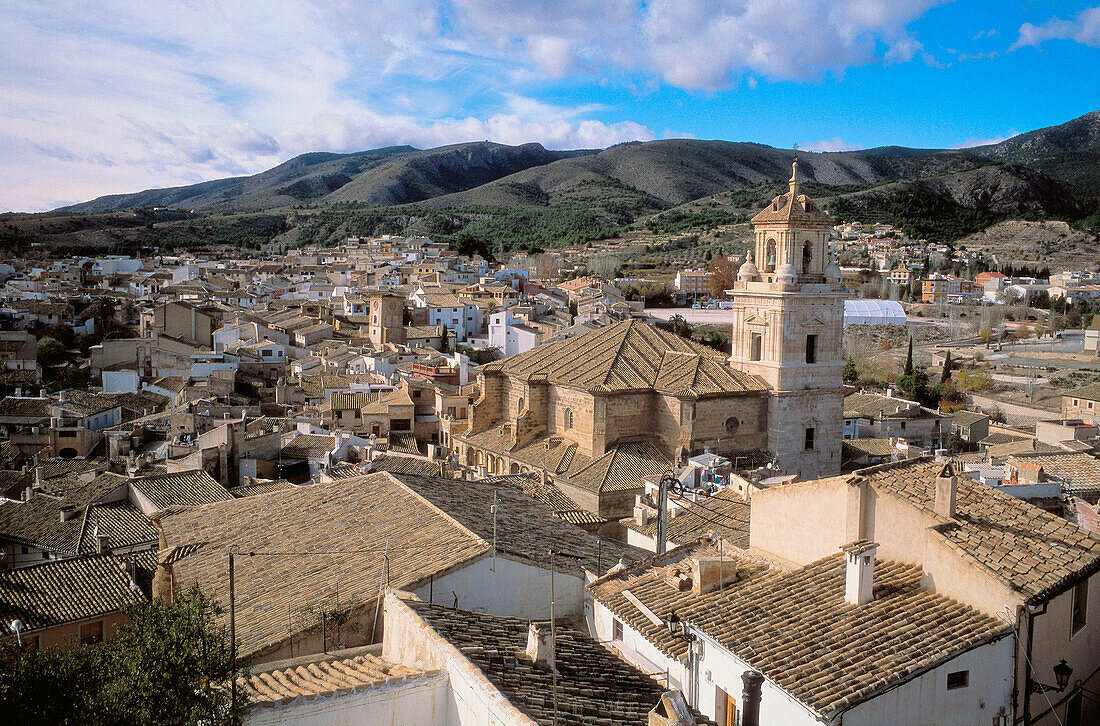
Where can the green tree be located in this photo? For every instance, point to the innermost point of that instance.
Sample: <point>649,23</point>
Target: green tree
<point>909,359</point>
<point>850,373</point>
<point>103,310</point>
<point>171,664</point>
<point>50,352</point>
<point>946,375</point>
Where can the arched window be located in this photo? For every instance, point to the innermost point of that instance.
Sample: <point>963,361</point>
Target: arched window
<point>519,408</point>
<point>807,256</point>
<point>568,418</point>
<point>769,256</point>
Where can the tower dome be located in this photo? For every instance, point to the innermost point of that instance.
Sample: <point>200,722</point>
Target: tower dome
<point>832,271</point>
<point>748,272</point>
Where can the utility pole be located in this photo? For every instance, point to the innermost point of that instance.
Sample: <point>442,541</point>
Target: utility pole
<point>233,636</point>
<point>553,641</point>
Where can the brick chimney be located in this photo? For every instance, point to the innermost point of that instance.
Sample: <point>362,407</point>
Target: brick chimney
<point>947,488</point>
<point>859,576</point>
<point>710,573</point>
<point>540,645</point>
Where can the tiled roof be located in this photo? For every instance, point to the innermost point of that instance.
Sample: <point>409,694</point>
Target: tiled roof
<point>996,438</point>
<point>1027,548</point>
<point>352,401</point>
<point>877,406</point>
<point>310,542</point>
<point>122,522</point>
<point>1078,472</point>
<point>797,629</point>
<point>307,446</point>
<point>966,418</point>
<point>726,514</point>
<point>629,356</point>
<point>12,407</point>
<point>65,591</point>
<point>261,486</point>
<point>396,464</point>
<point>868,447</point>
<point>321,676</point>
<point>1090,392</point>
<point>564,507</point>
<point>185,488</point>
<point>525,527</point>
<point>792,207</point>
<point>594,687</point>
<point>85,403</point>
<point>623,466</point>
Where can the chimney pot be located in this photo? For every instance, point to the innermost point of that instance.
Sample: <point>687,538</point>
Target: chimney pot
<point>947,487</point>
<point>540,644</point>
<point>859,576</point>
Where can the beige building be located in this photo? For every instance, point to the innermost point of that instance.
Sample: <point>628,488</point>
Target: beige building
<point>788,319</point>
<point>1082,403</point>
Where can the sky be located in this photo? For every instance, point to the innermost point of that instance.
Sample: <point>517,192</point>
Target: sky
<point>118,96</point>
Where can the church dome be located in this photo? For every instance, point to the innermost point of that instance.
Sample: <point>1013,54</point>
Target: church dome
<point>786,271</point>
<point>748,271</point>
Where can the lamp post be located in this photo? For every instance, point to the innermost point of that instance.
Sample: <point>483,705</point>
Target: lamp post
<point>1062,672</point>
<point>681,630</point>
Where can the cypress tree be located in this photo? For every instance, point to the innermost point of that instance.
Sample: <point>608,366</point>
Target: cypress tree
<point>909,358</point>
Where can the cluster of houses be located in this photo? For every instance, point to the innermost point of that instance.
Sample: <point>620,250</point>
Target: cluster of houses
<point>598,523</point>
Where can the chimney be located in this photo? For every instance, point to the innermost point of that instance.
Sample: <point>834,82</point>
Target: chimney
<point>859,578</point>
<point>750,698</point>
<point>710,573</point>
<point>42,393</point>
<point>68,512</point>
<point>540,644</point>
<point>947,487</point>
<point>103,544</point>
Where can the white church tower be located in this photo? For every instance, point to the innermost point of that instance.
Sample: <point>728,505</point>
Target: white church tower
<point>788,328</point>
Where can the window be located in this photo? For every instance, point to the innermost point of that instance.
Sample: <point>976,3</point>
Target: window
<point>811,349</point>
<point>769,256</point>
<point>1073,711</point>
<point>568,418</point>
<point>267,352</point>
<point>45,555</point>
<point>519,405</point>
<point>91,633</point>
<point>756,346</point>
<point>809,442</point>
<point>958,679</point>
<point>1080,604</point>
<point>807,256</point>
<point>616,629</point>
<point>732,424</point>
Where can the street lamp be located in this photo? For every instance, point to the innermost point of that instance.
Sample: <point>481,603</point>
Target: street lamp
<point>678,628</point>
<point>1062,672</point>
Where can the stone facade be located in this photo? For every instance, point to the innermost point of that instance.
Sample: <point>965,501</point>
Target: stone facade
<point>788,328</point>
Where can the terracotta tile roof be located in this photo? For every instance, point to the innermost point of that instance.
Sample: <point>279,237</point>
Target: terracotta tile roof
<point>526,528</point>
<point>1029,549</point>
<point>321,676</point>
<point>629,356</point>
<point>122,522</point>
<point>351,401</point>
<point>796,207</point>
<point>1078,472</point>
<point>65,591</point>
<point>261,486</point>
<point>85,403</point>
<point>797,629</point>
<point>594,687</point>
<point>877,406</point>
<point>726,514</point>
<point>966,418</point>
<point>186,488</point>
<point>308,541</point>
<point>564,507</point>
<point>396,464</point>
<point>623,467</point>
<point>307,446</point>
<point>868,447</point>
<point>37,408</point>
<point>1090,392</point>
<point>1000,437</point>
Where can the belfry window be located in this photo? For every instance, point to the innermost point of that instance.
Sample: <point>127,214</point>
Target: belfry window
<point>756,346</point>
<point>769,256</point>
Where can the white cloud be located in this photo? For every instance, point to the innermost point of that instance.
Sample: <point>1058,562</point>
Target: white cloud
<point>134,95</point>
<point>972,142</point>
<point>1085,29</point>
<point>829,145</point>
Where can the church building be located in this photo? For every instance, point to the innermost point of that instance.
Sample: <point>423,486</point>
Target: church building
<point>596,414</point>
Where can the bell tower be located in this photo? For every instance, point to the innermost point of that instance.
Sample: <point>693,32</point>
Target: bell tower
<point>788,328</point>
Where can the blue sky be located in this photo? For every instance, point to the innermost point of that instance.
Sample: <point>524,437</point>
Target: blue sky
<point>113,96</point>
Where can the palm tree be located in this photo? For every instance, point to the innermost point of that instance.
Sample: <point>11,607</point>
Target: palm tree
<point>103,310</point>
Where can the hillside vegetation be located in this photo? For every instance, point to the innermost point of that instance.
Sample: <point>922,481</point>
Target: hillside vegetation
<point>494,197</point>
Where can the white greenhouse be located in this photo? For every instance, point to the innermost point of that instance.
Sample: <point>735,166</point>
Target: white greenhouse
<point>873,312</point>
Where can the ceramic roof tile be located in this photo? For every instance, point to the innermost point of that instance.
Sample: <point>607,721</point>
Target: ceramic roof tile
<point>321,676</point>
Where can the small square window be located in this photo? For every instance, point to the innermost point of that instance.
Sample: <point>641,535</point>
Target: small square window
<point>958,679</point>
<point>91,633</point>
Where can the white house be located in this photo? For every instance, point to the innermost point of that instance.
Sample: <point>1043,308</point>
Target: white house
<point>511,335</point>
